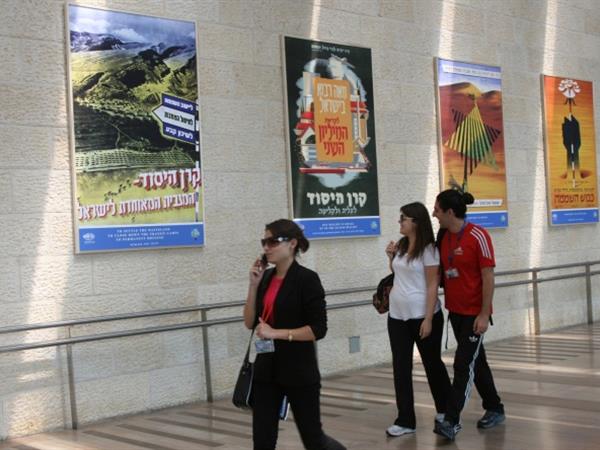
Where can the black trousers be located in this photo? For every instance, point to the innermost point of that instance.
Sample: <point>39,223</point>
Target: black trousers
<point>470,367</point>
<point>404,334</point>
<point>304,402</point>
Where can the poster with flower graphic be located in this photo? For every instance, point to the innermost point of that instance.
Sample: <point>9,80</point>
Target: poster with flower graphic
<point>331,137</point>
<point>471,137</point>
<point>571,176</point>
<point>135,141</point>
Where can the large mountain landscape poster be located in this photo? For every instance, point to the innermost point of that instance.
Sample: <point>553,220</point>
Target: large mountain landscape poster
<point>136,163</point>
<point>570,150</point>
<point>471,137</point>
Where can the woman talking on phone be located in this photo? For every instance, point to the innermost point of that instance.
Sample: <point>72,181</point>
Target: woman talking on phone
<point>286,304</point>
<point>415,316</point>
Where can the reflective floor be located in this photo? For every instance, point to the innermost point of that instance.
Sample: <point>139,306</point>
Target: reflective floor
<point>550,386</point>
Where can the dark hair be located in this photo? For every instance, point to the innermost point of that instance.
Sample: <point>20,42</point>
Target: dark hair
<point>455,200</point>
<point>289,229</point>
<point>424,235</point>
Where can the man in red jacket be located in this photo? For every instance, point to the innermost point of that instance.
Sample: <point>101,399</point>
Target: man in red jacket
<point>467,261</point>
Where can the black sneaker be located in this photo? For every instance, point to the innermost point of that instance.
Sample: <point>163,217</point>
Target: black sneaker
<point>446,429</point>
<point>491,419</point>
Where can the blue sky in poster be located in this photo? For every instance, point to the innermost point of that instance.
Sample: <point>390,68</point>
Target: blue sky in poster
<point>486,78</point>
<point>131,27</point>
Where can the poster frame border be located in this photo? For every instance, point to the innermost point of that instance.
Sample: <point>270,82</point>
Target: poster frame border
<point>439,136</point>
<point>547,153</point>
<point>288,153</point>
<point>71,133</point>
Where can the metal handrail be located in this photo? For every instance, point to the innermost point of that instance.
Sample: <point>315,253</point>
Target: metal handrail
<point>200,308</point>
<point>151,313</point>
<point>117,334</point>
<point>148,330</point>
<point>181,326</point>
<point>114,317</point>
<point>544,268</point>
<point>204,323</point>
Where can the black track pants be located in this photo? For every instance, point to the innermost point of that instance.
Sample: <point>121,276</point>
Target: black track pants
<point>470,367</point>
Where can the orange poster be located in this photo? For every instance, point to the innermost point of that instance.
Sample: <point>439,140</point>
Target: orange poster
<point>570,150</point>
<point>333,120</point>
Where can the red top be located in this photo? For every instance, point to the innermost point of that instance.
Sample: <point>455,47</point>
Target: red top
<point>467,251</point>
<point>268,313</point>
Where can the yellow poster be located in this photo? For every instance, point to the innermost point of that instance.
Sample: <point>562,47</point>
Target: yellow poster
<point>471,137</point>
<point>333,120</point>
<point>570,150</point>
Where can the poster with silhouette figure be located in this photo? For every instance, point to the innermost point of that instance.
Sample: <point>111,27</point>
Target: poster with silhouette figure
<point>571,178</point>
<point>331,138</point>
<point>135,141</point>
<point>471,137</point>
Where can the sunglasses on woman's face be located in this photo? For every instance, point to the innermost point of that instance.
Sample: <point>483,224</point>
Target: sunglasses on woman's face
<point>403,218</point>
<point>273,241</point>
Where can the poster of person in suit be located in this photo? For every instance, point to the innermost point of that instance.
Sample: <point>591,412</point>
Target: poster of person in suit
<point>570,150</point>
<point>331,137</point>
<point>136,166</point>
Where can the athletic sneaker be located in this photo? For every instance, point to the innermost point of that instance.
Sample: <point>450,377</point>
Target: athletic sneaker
<point>491,419</point>
<point>439,418</point>
<point>446,429</point>
<point>396,430</point>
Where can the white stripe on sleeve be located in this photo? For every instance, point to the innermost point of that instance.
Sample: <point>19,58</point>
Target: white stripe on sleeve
<point>483,243</point>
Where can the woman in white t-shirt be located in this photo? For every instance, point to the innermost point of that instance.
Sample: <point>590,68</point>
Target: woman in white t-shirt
<point>415,316</point>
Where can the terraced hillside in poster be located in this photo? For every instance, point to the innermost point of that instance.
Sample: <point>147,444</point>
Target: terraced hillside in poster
<point>127,171</point>
<point>115,90</point>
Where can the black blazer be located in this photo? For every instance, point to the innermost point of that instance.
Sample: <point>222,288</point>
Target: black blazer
<point>299,302</point>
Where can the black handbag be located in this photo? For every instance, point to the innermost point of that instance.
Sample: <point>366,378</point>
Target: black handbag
<point>381,298</point>
<point>242,394</point>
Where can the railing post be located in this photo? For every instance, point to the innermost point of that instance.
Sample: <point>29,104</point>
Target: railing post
<point>536,302</point>
<point>71,380</point>
<point>206,352</point>
<point>588,294</point>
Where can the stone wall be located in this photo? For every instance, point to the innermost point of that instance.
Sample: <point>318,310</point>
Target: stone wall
<point>242,106</point>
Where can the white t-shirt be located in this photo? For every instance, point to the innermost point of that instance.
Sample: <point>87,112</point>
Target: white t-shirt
<point>408,297</point>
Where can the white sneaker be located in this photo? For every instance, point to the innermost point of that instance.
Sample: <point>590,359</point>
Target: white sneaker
<point>439,417</point>
<point>396,430</point>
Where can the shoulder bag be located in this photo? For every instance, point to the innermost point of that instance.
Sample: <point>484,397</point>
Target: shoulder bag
<point>242,394</point>
<point>381,298</point>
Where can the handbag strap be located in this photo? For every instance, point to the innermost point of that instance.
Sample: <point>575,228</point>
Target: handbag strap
<point>247,357</point>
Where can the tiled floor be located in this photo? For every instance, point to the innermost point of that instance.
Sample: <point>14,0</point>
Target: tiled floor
<point>549,384</point>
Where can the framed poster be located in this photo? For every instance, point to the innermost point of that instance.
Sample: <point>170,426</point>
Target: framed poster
<point>135,142</point>
<point>471,137</point>
<point>331,137</point>
<point>571,178</point>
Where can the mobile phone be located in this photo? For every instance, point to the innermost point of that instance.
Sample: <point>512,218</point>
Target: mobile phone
<point>263,260</point>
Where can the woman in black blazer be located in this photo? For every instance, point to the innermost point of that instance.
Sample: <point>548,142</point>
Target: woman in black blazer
<point>286,304</point>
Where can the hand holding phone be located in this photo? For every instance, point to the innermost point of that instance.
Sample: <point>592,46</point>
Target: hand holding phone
<point>256,271</point>
<point>391,249</point>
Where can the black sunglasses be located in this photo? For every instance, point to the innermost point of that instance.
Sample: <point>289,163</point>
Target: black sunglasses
<point>403,218</point>
<point>273,241</point>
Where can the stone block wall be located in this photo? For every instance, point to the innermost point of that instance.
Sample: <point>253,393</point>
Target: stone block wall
<point>242,107</point>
